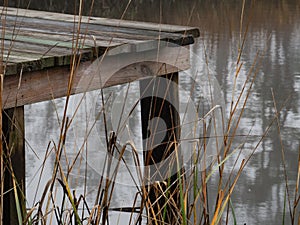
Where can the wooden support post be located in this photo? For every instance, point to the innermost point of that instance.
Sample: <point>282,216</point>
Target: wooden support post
<point>14,164</point>
<point>160,132</point>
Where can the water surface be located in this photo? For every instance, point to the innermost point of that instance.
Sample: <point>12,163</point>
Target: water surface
<point>272,31</point>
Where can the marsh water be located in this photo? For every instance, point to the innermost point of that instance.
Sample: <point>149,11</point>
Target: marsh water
<point>273,31</point>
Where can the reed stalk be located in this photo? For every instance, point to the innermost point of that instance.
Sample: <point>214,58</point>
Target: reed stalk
<point>195,205</point>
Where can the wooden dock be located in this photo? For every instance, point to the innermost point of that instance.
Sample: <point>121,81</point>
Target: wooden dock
<point>49,55</point>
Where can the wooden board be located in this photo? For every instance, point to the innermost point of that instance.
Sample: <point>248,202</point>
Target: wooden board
<point>39,48</point>
<point>54,38</point>
<point>51,83</point>
<point>105,21</point>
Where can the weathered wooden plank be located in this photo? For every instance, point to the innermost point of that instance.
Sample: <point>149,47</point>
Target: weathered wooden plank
<point>24,62</point>
<point>118,32</point>
<point>105,21</point>
<point>11,45</point>
<point>37,49</point>
<point>112,70</point>
<point>56,36</point>
<point>72,27</point>
<point>89,39</point>
<point>44,42</point>
<point>37,52</point>
<point>29,57</point>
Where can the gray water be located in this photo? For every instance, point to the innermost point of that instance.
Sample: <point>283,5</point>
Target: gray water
<point>274,32</point>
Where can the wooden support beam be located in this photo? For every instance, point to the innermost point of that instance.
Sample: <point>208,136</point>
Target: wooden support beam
<point>14,164</point>
<point>161,132</point>
<point>47,84</point>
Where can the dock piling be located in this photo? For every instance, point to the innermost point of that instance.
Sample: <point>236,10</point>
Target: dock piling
<point>13,164</point>
<point>161,132</point>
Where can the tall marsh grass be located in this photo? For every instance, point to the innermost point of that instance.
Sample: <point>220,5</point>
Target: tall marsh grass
<point>205,195</point>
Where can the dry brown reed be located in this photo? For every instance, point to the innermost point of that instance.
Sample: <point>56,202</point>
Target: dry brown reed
<point>195,204</point>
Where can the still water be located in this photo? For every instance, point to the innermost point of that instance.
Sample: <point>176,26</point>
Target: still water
<point>272,30</point>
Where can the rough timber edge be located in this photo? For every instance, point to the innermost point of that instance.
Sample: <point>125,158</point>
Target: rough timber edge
<point>194,31</point>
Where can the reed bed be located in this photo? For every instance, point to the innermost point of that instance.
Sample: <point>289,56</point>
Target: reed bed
<point>197,202</point>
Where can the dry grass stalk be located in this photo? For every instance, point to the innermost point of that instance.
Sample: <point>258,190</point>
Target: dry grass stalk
<point>68,212</point>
